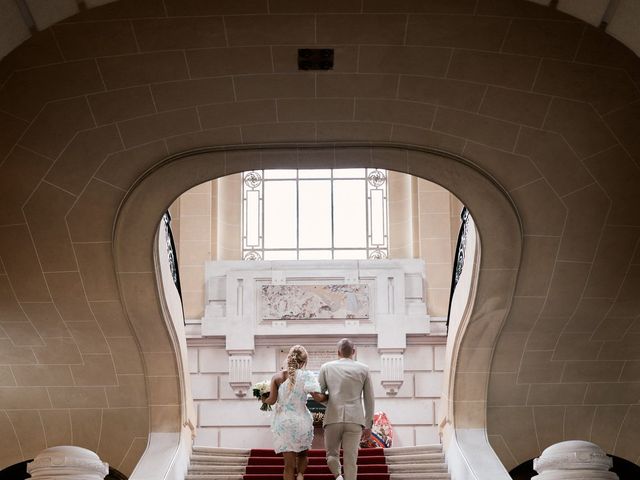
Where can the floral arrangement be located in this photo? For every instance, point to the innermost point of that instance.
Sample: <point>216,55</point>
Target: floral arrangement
<point>381,433</point>
<point>318,418</point>
<point>260,389</point>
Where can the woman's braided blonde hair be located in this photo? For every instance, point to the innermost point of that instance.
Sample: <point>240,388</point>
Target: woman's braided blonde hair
<point>296,359</point>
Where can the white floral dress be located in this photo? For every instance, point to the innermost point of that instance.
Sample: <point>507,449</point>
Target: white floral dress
<point>292,422</point>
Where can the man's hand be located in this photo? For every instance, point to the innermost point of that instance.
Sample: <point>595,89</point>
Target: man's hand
<point>320,397</point>
<point>366,433</point>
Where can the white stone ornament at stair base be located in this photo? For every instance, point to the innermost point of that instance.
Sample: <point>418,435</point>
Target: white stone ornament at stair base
<point>573,460</point>
<point>67,462</point>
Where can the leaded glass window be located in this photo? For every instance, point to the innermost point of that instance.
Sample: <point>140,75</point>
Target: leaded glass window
<point>315,214</point>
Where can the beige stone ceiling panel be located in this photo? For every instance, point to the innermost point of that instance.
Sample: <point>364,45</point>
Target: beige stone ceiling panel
<point>47,12</point>
<point>621,18</point>
<point>96,3</point>
<point>591,11</point>
<point>13,30</point>
<point>553,123</point>
<point>624,24</point>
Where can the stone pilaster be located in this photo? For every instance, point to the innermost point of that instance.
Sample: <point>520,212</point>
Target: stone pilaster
<point>240,369</point>
<point>392,378</point>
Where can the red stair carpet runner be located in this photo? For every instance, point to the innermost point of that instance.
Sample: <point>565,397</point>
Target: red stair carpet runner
<point>266,465</point>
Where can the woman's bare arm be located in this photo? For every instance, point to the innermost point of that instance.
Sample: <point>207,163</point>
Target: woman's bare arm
<point>276,380</point>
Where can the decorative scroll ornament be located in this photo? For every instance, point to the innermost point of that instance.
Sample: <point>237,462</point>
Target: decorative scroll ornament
<point>252,179</point>
<point>376,178</point>
<point>253,255</point>
<point>377,254</point>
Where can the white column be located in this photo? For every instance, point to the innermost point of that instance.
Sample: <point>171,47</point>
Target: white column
<point>573,460</point>
<point>66,462</point>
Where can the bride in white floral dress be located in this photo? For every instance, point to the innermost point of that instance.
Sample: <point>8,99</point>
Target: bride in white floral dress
<point>292,423</point>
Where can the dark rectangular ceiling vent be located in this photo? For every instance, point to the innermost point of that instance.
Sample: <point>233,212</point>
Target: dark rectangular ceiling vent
<point>315,59</point>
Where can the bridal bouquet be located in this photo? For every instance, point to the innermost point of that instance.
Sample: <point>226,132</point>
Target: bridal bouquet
<point>259,389</point>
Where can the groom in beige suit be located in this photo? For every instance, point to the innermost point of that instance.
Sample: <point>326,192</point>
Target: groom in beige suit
<point>345,421</point>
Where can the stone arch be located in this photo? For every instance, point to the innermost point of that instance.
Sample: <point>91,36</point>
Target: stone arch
<point>499,230</point>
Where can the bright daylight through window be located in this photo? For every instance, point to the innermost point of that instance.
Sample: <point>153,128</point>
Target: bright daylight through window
<point>314,214</point>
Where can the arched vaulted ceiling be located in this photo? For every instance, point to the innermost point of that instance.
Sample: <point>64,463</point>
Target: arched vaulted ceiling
<point>619,18</point>
<point>545,105</point>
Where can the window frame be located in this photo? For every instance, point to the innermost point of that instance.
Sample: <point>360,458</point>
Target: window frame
<point>253,236</point>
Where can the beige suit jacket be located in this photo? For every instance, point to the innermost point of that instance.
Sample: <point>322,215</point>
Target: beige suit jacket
<point>349,385</point>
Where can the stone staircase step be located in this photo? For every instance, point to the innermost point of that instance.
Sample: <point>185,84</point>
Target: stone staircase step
<point>312,469</point>
<point>422,462</point>
<point>220,460</point>
<point>223,452</point>
<point>416,476</point>
<point>224,469</point>
<point>418,467</point>
<point>418,449</point>
<point>425,458</point>
<point>213,477</point>
<point>317,476</point>
<point>368,460</point>
<point>395,476</point>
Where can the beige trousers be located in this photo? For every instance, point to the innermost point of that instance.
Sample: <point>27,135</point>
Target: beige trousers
<point>347,434</point>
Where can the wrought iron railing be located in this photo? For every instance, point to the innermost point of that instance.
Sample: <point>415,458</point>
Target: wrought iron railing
<point>458,261</point>
<point>171,252</point>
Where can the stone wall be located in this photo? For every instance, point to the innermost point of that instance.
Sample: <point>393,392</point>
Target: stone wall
<point>412,411</point>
